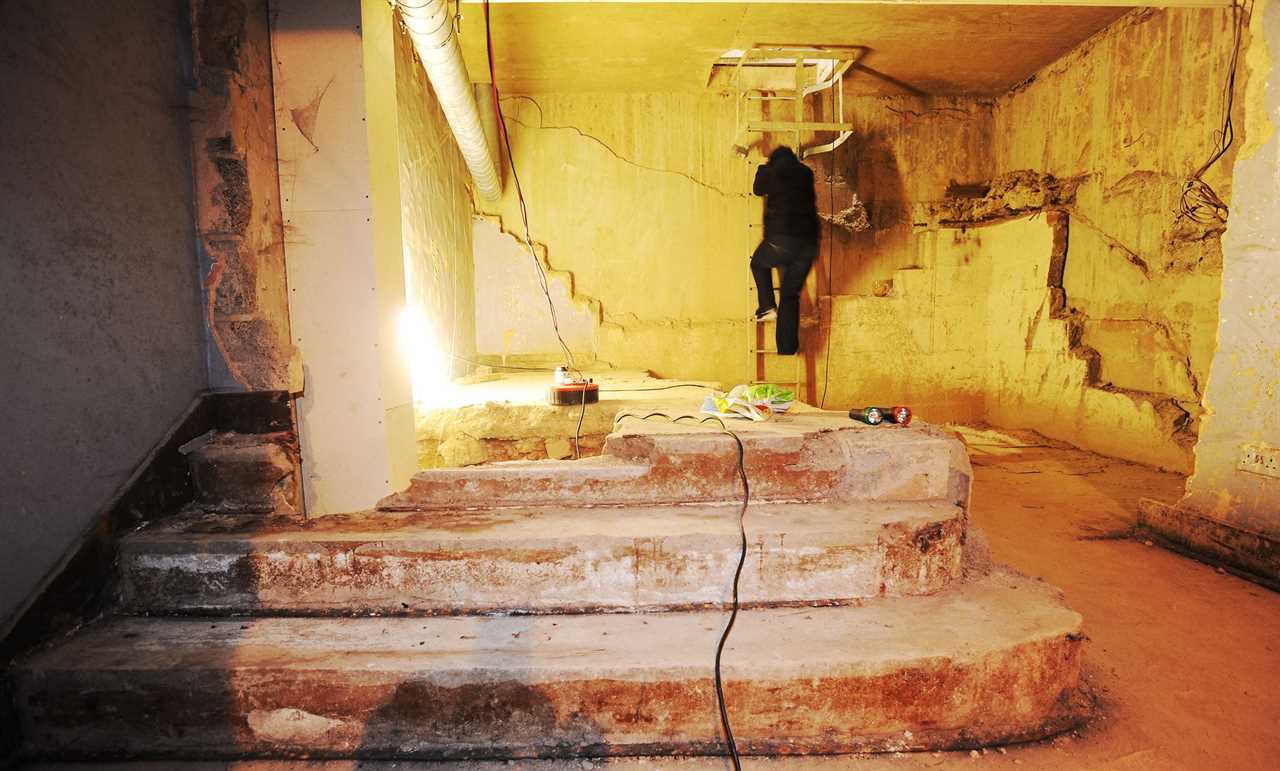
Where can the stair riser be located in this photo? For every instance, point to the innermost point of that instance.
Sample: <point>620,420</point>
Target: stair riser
<point>833,466</point>
<point>1019,694</point>
<point>579,575</point>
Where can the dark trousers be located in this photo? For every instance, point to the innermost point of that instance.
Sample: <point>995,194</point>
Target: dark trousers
<point>793,258</point>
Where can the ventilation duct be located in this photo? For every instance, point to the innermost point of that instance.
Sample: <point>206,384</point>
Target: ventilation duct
<point>430,26</point>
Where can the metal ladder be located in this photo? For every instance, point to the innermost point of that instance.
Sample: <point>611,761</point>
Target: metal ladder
<point>840,60</point>
<point>761,343</point>
<point>835,60</point>
<point>760,347</point>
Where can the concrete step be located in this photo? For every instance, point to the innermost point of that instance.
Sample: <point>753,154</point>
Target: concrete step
<point>541,560</point>
<point>989,661</point>
<point>246,473</point>
<point>807,456</point>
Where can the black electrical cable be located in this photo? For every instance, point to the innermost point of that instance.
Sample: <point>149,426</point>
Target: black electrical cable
<point>577,432</point>
<point>831,310</point>
<point>1200,203</point>
<point>524,218</point>
<point>737,573</point>
<point>657,388</point>
<point>515,176</point>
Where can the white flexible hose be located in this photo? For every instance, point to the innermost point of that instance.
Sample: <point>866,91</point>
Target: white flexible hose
<point>430,26</point>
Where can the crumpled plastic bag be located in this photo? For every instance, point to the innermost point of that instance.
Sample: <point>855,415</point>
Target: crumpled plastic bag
<point>754,402</point>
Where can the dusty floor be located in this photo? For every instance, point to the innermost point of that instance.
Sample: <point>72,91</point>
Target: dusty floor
<point>1185,661</point>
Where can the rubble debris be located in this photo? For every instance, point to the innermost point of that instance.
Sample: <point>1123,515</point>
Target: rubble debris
<point>1008,195</point>
<point>852,218</point>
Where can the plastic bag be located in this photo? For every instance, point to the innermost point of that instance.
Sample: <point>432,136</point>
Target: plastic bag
<point>755,402</point>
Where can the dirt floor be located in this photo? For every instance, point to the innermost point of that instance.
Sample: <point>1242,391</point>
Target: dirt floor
<point>1184,660</point>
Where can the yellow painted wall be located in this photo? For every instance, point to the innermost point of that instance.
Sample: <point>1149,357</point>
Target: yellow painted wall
<point>922,344</point>
<point>513,317</point>
<point>639,199</point>
<point>904,152</point>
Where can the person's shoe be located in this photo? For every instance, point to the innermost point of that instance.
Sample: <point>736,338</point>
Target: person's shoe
<point>766,314</point>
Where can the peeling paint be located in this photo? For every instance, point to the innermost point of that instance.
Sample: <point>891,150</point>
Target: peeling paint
<point>238,199</point>
<point>305,117</point>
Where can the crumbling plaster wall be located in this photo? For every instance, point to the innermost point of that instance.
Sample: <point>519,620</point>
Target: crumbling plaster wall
<point>1129,115</point>
<point>904,153</point>
<point>979,327</point>
<point>900,323</point>
<point>1242,400</point>
<point>241,229</point>
<point>436,213</point>
<point>103,343</point>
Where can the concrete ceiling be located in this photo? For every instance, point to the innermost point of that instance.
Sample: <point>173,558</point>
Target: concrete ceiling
<point>639,46</point>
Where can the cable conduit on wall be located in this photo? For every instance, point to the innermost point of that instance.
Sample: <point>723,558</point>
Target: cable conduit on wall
<point>430,26</point>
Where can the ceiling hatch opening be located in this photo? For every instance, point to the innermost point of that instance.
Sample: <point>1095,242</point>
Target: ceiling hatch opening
<point>772,85</point>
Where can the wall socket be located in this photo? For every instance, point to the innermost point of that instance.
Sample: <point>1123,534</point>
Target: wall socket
<point>1258,458</point>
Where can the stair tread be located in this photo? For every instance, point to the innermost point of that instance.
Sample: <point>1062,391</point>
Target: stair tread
<point>963,623</point>
<point>825,522</point>
<point>997,658</point>
<point>810,455</point>
<point>543,560</point>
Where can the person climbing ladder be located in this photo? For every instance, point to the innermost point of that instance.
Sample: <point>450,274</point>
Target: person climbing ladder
<point>790,242</point>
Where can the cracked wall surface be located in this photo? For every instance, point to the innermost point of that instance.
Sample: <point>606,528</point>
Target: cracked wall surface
<point>1129,115</point>
<point>651,218</point>
<point>511,318</point>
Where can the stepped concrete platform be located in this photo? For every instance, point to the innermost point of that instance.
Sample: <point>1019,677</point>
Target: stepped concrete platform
<point>807,456</point>
<point>984,662</point>
<point>541,559</point>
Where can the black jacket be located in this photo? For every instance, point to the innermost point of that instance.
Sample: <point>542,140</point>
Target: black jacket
<point>789,205</point>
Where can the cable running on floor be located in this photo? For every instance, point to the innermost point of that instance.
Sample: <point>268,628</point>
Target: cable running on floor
<point>737,573</point>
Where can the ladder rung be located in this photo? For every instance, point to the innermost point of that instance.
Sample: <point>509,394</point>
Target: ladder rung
<point>763,350</point>
<point>775,382</point>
